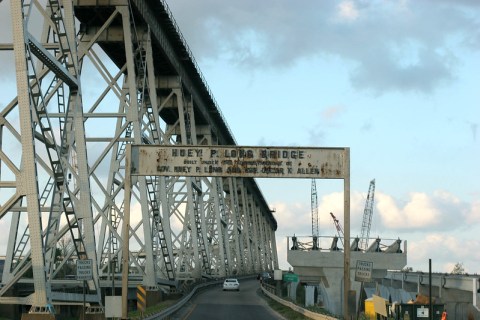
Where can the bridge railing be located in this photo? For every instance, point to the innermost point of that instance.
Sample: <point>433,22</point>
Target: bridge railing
<point>334,243</point>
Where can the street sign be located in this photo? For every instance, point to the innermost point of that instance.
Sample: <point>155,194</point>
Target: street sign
<point>363,272</point>
<point>290,277</point>
<point>84,269</point>
<point>239,161</point>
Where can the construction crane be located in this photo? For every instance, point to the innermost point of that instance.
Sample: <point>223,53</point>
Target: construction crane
<point>314,207</point>
<point>338,227</point>
<point>367,216</point>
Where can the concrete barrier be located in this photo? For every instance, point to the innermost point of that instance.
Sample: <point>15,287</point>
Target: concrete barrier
<point>293,306</point>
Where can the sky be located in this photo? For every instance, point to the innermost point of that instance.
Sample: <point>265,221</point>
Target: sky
<point>396,81</point>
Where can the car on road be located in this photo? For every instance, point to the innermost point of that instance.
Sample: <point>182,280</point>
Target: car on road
<point>231,284</point>
<point>264,276</point>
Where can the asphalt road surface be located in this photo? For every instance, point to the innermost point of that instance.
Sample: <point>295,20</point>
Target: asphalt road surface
<point>232,305</point>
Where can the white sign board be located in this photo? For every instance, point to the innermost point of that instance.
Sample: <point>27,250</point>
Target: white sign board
<point>422,312</point>
<point>379,305</point>
<point>113,306</point>
<point>363,271</point>
<point>84,269</point>
<point>236,161</point>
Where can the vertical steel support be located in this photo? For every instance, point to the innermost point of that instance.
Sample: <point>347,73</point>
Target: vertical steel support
<point>236,230</point>
<point>28,174</point>
<point>249,259</point>
<point>133,114</point>
<point>346,219</point>
<point>261,235</point>
<point>195,210</point>
<point>84,208</point>
<point>222,228</point>
<point>274,249</point>
<point>255,233</point>
<point>126,233</point>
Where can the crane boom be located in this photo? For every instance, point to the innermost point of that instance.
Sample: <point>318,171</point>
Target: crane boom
<point>338,227</point>
<point>367,216</point>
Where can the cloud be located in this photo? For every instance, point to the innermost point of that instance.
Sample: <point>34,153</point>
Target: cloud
<point>332,112</point>
<point>376,37</point>
<point>329,117</point>
<point>439,211</point>
<point>445,251</point>
<point>430,223</point>
<point>473,215</point>
<point>347,11</point>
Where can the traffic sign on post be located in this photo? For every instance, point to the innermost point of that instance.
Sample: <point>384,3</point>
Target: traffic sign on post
<point>84,269</point>
<point>290,277</point>
<point>363,272</point>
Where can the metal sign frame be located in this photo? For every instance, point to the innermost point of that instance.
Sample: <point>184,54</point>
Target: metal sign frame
<point>238,161</point>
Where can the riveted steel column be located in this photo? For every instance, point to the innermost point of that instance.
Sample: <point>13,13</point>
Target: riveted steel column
<point>28,173</point>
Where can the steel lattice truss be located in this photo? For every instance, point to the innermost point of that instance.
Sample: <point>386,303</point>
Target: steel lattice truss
<point>78,95</point>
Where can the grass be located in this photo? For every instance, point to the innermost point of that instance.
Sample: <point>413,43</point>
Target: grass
<point>288,313</point>
<point>285,311</point>
<point>151,310</point>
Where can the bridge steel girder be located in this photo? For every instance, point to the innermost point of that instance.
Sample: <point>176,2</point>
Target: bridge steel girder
<point>143,87</point>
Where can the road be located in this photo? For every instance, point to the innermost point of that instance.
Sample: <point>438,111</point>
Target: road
<point>232,305</point>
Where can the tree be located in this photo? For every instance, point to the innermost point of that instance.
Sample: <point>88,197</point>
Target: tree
<point>458,268</point>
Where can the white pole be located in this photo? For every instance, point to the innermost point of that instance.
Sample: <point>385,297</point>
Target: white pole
<point>125,233</point>
<point>346,219</point>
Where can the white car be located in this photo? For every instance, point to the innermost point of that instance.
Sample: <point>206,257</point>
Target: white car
<point>231,284</point>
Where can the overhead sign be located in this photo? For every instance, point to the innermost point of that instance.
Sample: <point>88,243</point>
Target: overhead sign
<point>363,271</point>
<point>236,161</point>
<point>84,269</point>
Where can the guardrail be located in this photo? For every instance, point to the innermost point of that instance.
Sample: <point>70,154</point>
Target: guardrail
<point>268,291</point>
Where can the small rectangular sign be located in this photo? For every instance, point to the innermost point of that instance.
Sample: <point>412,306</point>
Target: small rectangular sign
<point>290,277</point>
<point>422,312</point>
<point>237,161</point>
<point>113,306</point>
<point>363,271</point>
<point>84,269</point>
<point>379,305</point>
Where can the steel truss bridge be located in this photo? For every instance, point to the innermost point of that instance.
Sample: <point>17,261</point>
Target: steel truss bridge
<point>91,77</point>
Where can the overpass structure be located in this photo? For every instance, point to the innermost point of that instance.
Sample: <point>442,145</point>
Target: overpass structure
<point>318,264</point>
<point>93,76</point>
<point>321,266</point>
<point>460,293</point>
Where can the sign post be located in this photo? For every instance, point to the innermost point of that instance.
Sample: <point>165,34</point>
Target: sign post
<point>85,273</point>
<point>363,273</point>
<point>243,162</point>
